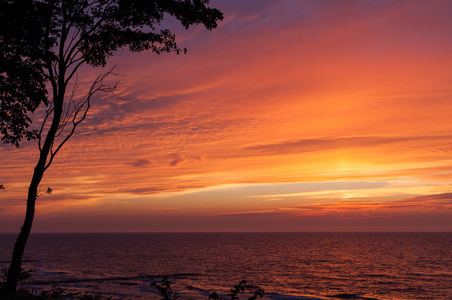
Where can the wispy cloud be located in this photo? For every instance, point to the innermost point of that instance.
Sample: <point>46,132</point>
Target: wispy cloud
<point>176,159</point>
<point>437,202</point>
<point>245,213</point>
<point>141,162</point>
<point>331,143</point>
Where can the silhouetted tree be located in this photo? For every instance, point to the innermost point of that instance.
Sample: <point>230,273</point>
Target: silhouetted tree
<point>43,43</point>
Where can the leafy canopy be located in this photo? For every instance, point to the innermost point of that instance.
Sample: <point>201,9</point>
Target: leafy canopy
<point>46,41</point>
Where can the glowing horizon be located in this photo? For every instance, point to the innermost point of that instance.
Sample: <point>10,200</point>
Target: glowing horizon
<point>290,116</point>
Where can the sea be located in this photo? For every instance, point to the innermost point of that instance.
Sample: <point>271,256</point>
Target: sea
<point>286,265</point>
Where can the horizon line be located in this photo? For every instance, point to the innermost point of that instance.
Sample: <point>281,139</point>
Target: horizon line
<point>213,232</point>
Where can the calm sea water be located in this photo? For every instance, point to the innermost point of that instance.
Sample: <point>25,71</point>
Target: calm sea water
<point>286,265</point>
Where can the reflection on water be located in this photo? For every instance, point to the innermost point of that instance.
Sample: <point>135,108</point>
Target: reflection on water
<point>374,265</point>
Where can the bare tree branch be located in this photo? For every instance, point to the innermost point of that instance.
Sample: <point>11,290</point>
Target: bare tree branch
<point>80,61</point>
<point>69,109</point>
<point>82,107</point>
<point>74,38</point>
<point>48,113</point>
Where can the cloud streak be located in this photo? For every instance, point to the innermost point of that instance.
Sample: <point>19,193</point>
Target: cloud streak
<point>331,143</point>
<point>438,202</point>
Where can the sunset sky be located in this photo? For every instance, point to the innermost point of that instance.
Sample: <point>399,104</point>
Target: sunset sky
<point>292,115</point>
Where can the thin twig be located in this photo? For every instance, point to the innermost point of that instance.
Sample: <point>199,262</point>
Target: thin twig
<point>84,105</point>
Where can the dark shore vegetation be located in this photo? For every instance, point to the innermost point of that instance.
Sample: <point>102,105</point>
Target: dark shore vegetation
<point>163,287</point>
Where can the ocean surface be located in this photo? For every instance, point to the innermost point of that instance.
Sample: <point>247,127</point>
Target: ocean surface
<point>286,265</point>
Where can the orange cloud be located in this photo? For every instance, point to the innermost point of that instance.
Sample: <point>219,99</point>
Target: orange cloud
<point>330,143</point>
<point>280,93</point>
<point>368,208</point>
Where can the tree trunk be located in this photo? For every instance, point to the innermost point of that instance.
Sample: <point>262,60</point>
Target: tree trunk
<point>19,248</point>
<point>15,268</point>
<point>9,289</point>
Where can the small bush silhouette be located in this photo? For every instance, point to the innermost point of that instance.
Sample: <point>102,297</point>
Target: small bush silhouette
<point>166,291</point>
